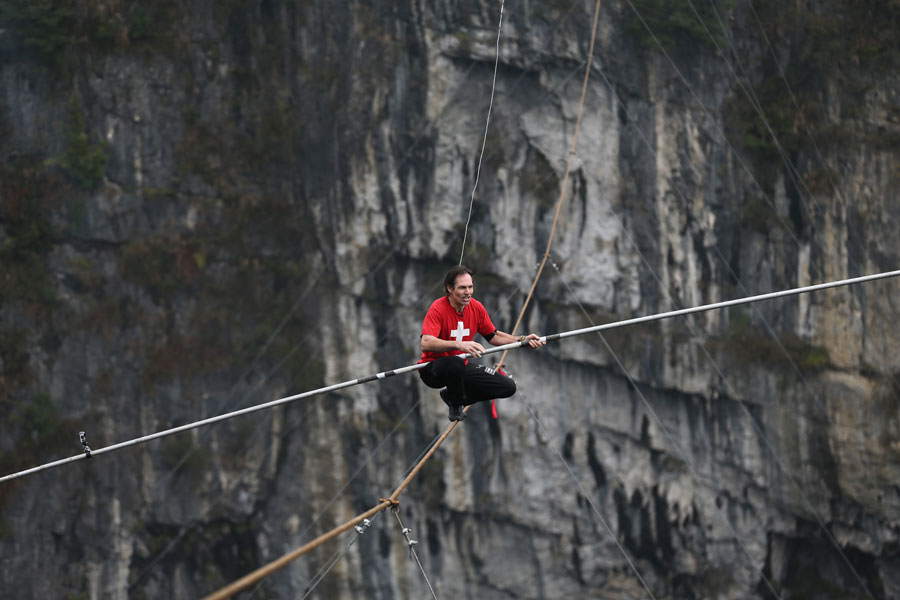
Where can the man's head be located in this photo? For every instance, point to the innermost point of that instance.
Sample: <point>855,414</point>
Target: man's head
<point>452,275</point>
<point>458,286</point>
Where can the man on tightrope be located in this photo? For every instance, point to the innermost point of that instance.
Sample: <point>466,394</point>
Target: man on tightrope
<point>448,330</point>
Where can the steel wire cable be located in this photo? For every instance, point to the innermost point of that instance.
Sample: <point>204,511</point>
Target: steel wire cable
<point>334,560</point>
<point>804,193</point>
<point>565,180</point>
<point>769,445</point>
<point>284,358</point>
<point>797,105</point>
<point>695,474</point>
<point>415,554</point>
<point>419,366</point>
<point>285,320</point>
<point>484,140</point>
<point>807,198</point>
<point>386,503</point>
<point>587,497</point>
<point>713,121</point>
<point>284,434</point>
<point>684,198</point>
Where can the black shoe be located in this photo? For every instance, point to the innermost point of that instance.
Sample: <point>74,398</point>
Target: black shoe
<point>456,412</point>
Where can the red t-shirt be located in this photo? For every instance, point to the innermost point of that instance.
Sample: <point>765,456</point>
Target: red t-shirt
<point>443,322</point>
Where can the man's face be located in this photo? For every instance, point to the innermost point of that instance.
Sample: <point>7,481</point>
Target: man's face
<point>462,290</point>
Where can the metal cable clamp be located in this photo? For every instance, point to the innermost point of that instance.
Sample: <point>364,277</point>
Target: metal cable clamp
<point>84,444</point>
<point>361,529</point>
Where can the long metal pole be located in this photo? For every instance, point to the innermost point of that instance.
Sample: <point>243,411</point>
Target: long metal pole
<point>725,304</point>
<point>416,367</point>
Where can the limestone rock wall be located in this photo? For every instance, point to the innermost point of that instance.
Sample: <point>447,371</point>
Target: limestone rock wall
<point>210,205</point>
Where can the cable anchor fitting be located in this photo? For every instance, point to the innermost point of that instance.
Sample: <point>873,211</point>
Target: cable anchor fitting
<point>409,542</point>
<point>361,529</point>
<point>83,439</point>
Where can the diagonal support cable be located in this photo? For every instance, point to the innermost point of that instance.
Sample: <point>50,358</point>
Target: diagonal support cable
<point>336,558</point>
<point>565,181</point>
<point>587,497</point>
<point>671,439</point>
<point>412,550</point>
<point>484,140</point>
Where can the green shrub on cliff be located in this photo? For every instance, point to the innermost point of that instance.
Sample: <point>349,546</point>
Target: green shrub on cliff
<point>833,50</point>
<point>42,25</point>
<point>36,418</point>
<point>28,192</point>
<point>748,343</point>
<point>82,159</point>
<point>674,23</point>
<point>58,31</point>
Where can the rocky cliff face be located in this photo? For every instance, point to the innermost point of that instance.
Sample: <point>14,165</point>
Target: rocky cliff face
<point>207,205</point>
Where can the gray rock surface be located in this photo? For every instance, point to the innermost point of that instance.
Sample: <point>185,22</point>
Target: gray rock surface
<point>210,205</point>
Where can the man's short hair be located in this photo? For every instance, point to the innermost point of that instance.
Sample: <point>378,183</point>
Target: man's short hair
<point>452,274</point>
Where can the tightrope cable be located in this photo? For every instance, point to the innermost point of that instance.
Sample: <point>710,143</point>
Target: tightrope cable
<point>484,140</point>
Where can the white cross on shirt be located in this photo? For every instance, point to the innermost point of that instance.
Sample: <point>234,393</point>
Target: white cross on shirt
<point>459,333</point>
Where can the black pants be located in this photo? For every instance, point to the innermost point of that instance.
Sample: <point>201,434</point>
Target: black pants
<point>466,384</point>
